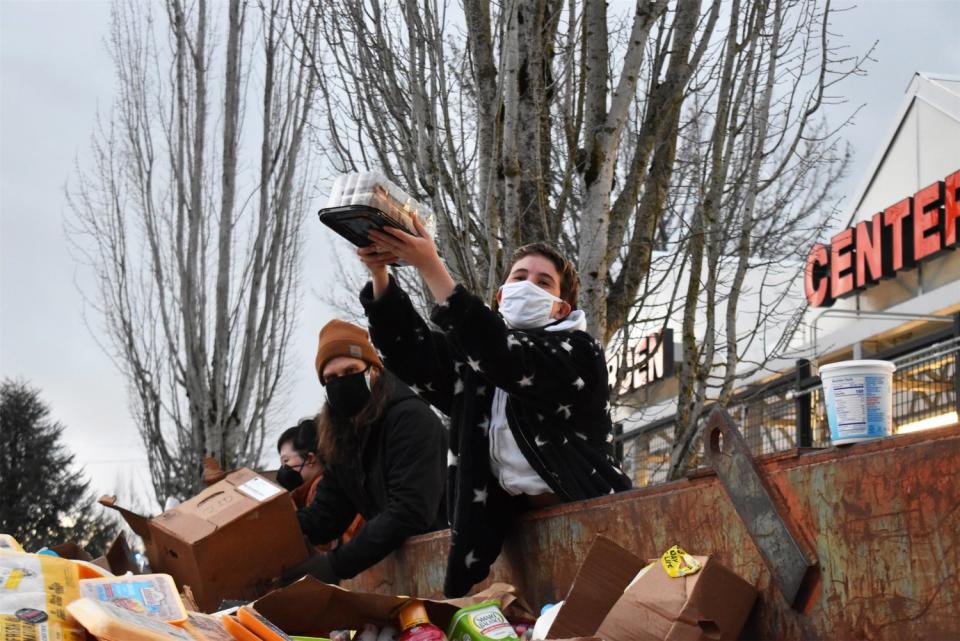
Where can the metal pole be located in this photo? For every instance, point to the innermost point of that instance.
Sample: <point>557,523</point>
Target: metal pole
<point>956,364</point>
<point>618,442</point>
<point>802,401</point>
<point>881,315</point>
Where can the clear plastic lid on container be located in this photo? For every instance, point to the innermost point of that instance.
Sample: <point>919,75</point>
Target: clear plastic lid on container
<point>372,189</point>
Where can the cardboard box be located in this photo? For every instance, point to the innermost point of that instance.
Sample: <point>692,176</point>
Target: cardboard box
<point>608,600</point>
<point>311,608</point>
<point>228,542</point>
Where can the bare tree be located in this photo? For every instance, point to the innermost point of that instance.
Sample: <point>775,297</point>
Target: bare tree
<point>196,253</point>
<point>692,128</point>
<point>767,169</point>
<point>509,121</point>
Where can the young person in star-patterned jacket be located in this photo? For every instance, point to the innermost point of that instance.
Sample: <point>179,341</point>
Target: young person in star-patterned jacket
<point>525,389</point>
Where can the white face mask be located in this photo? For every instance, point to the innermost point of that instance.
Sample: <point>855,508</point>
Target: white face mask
<point>523,305</point>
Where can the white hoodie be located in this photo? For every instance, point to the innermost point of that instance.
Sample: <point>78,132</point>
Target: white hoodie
<point>507,462</point>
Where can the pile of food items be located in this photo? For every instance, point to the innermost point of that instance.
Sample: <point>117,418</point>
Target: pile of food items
<point>44,596</point>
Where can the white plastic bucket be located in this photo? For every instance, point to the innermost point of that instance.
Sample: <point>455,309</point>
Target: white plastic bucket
<point>859,400</point>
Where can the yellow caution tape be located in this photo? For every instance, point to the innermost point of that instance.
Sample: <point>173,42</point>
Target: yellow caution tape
<point>676,562</point>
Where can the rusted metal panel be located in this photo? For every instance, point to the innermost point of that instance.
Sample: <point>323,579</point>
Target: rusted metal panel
<point>789,563</point>
<point>883,518</point>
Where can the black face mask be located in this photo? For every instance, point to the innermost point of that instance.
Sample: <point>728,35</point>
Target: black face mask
<point>348,395</point>
<point>290,478</point>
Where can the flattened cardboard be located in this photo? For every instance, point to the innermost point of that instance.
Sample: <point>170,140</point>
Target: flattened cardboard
<point>118,558</point>
<point>608,600</point>
<point>603,576</point>
<point>309,607</point>
<point>222,543</point>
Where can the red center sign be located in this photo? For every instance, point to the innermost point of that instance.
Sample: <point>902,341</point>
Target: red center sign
<point>897,238</point>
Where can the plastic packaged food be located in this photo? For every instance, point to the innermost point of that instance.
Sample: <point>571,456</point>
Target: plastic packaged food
<point>205,627</point>
<point>109,622</point>
<point>34,590</point>
<point>480,622</point>
<point>9,544</point>
<point>388,633</point>
<point>259,625</point>
<point>90,570</point>
<point>154,595</point>
<point>237,629</point>
<point>415,624</point>
<point>359,202</point>
<point>522,628</point>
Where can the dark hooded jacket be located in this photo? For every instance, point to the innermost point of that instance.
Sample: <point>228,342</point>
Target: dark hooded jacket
<point>397,486</point>
<point>557,409</point>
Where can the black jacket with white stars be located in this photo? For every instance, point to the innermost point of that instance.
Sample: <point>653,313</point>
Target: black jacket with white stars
<point>557,409</point>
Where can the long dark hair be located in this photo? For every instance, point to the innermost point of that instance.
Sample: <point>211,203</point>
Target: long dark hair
<point>338,438</point>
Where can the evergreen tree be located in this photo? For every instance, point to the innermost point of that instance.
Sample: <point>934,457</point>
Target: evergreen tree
<point>43,501</point>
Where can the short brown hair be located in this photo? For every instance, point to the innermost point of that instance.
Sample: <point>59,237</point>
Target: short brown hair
<point>569,278</point>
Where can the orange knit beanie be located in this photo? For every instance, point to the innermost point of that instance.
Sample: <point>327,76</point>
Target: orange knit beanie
<point>339,338</point>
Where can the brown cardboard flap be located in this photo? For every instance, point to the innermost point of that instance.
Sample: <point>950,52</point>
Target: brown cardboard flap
<point>240,476</point>
<point>70,550</point>
<point>718,597</point>
<point>138,523</point>
<point>512,605</point>
<point>600,581</point>
<point>309,607</point>
<point>184,525</point>
<point>119,557</point>
<point>647,609</point>
<point>218,505</point>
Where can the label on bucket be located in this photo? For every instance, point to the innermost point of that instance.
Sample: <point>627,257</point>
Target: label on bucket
<point>858,406</point>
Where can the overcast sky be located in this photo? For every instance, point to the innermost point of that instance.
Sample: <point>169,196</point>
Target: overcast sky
<point>55,74</point>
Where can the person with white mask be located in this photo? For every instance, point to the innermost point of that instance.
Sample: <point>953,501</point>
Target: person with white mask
<point>525,388</point>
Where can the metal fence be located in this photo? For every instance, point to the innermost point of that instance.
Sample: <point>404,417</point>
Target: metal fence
<point>789,411</point>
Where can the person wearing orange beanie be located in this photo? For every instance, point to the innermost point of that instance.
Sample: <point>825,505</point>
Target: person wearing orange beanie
<point>385,453</point>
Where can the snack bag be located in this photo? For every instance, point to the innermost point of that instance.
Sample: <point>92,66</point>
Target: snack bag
<point>109,622</point>
<point>34,592</point>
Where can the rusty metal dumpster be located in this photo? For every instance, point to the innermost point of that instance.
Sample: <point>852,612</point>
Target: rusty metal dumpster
<point>883,518</point>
